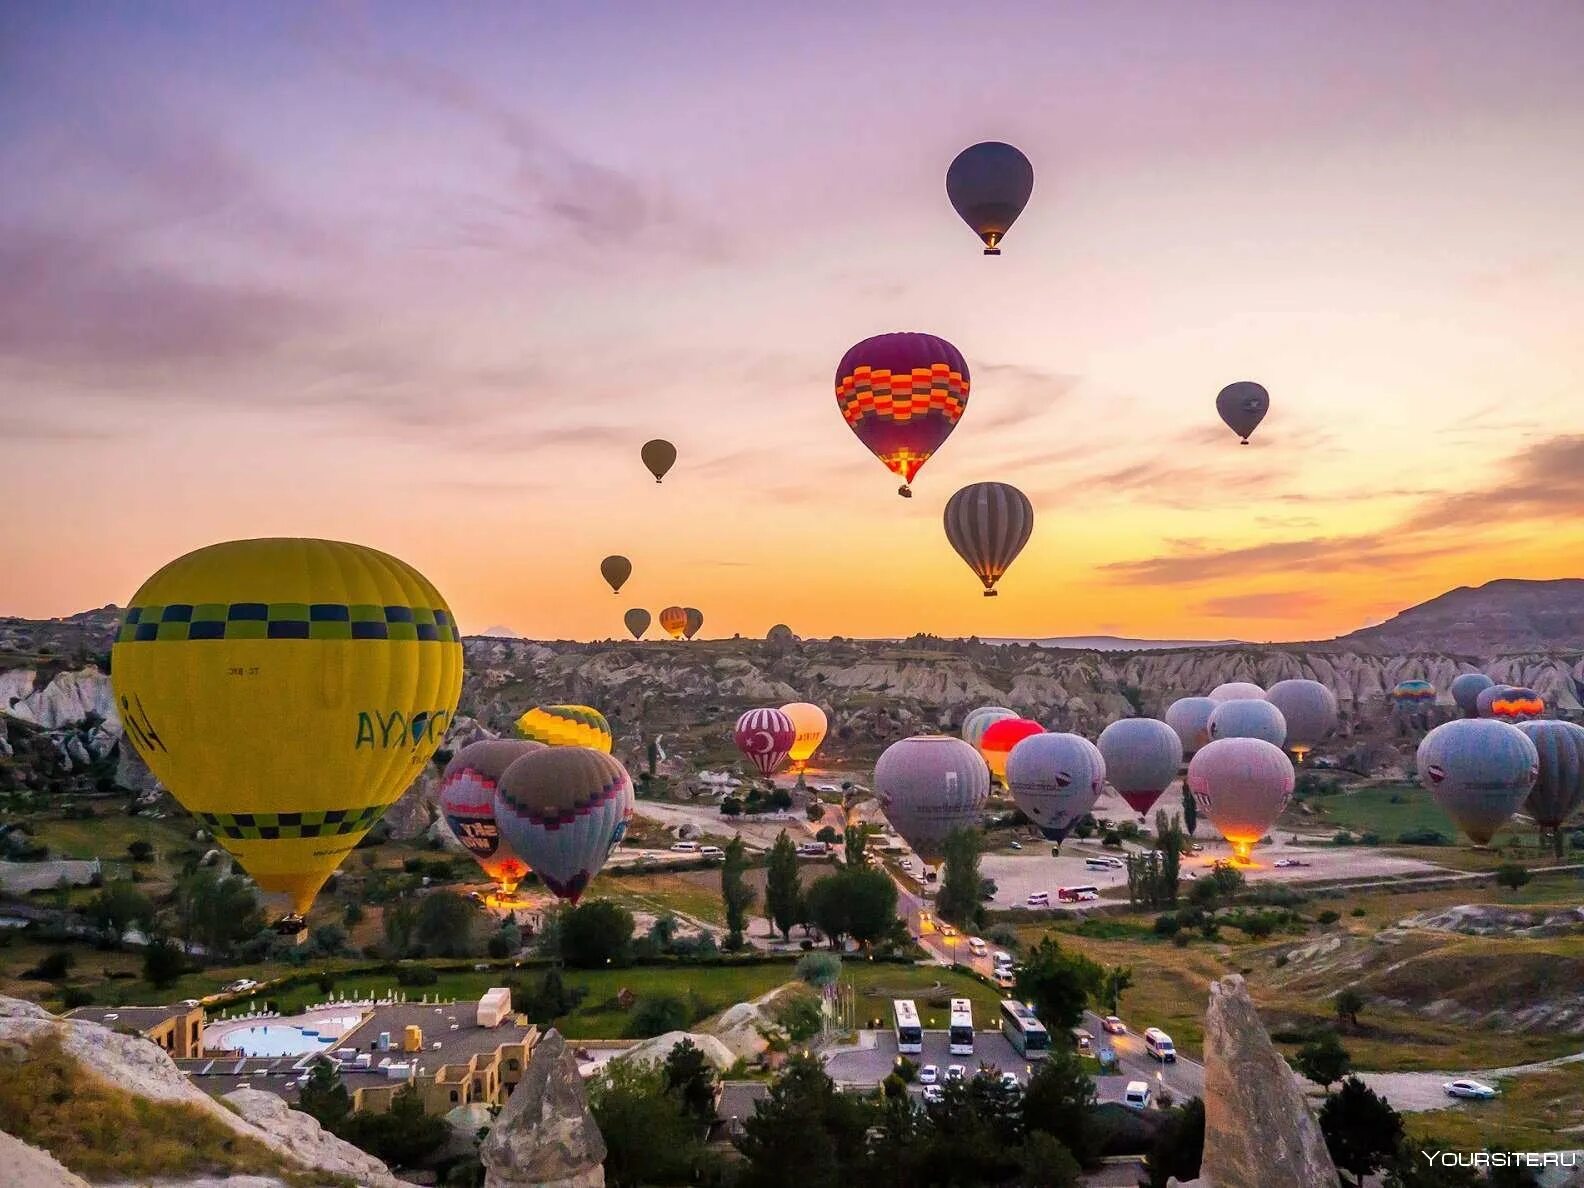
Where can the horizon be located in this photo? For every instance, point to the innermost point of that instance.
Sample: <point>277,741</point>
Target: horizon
<point>426,283</point>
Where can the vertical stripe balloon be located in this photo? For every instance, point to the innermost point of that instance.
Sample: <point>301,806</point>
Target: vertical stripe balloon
<point>988,524</point>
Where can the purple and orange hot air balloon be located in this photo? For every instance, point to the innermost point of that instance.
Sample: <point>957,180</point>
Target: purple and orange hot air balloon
<point>902,395</point>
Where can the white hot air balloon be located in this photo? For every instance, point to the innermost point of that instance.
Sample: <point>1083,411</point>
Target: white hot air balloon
<point>930,785</point>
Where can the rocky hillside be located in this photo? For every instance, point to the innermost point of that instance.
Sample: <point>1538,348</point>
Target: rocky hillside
<point>1499,617</point>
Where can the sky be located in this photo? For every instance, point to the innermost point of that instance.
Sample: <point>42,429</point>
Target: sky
<point>425,277</point>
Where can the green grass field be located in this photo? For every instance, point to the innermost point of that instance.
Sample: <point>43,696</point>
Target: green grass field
<point>1387,810</point>
<point>1540,1111</point>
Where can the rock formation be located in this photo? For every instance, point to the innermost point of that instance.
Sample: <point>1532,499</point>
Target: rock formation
<point>1259,1132</point>
<point>546,1136</point>
<point>25,1165</point>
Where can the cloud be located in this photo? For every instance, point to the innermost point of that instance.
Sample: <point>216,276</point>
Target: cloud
<point>1541,482</point>
<point>1015,394</point>
<point>18,426</point>
<point>1278,604</point>
<point>1194,561</point>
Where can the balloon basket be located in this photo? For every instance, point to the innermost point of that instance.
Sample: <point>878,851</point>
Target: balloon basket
<point>991,593</point>
<point>291,925</point>
<point>507,901</point>
<point>992,251</point>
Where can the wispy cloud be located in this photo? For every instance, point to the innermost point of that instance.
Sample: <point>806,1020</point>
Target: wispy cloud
<point>1542,481</point>
<point>1276,604</point>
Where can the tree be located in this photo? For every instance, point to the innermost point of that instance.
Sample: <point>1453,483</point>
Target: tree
<point>140,851</point>
<point>1323,1060</point>
<point>736,894</point>
<point>403,1135</point>
<point>826,900</point>
<point>219,912</point>
<point>1058,1101</point>
<point>446,926</point>
<point>855,840</point>
<point>781,885</point>
<point>1361,1131</point>
<point>649,1136</point>
<point>814,812</point>
<point>596,934</point>
<point>400,919</point>
<point>1045,1162</point>
<point>958,898</point>
<point>819,969</point>
<point>804,1134</point>
<point>1117,979</point>
<point>1190,811</point>
<point>829,836</point>
<point>118,906</point>
<point>324,1098</point>
<point>1171,843</point>
<point>657,1014</point>
<point>1178,1148</point>
<point>871,903</point>
<point>692,1079</point>
<point>1512,875</point>
<point>1349,1002</point>
<point>1058,984</point>
<point>163,962</point>
<point>1227,879</point>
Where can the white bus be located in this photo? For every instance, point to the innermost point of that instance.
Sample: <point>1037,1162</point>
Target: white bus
<point>909,1032</point>
<point>1023,1030</point>
<point>961,1039</point>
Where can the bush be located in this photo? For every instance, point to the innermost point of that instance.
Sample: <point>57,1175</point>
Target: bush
<point>1281,960</point>
<point>52,966</point>
<point>1181,940</point>
<point>415,975</point>
<point>657,1014</point>
<point>1423,837</point>
<point>1327,917</point>
<point>76,996</point>
<point>906,1070</point>
<point>1167,924</point>
<point>819,969</point>
<point>1358,911</point>
<point>829,836</point>
<point>1369,839</point>
<point>1112,838</point>
<point>1343,838</point>
<point>498,946</point>
<point>140,851</point>
<point>1004,935</point>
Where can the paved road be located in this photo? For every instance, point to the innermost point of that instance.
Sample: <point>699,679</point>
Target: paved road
<point>1183,1077</point>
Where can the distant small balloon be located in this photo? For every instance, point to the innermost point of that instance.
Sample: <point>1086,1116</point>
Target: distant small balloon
<point>616,570</point>
<point>659,456</point>
<point>989,184</point>
<point>766,737</point>
<point>674,620</point>
<point>1236,691</point>
<point>692,620</point>
<point>1309,709</point>
<point>637,621</point>
<point>981,719</point>
<point>996,743</point>
<point>1508,703</point>
<point>988,524</point>
<point>1243,406</point>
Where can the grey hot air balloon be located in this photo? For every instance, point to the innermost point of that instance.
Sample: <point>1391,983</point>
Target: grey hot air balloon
<point>658,456</point>
<point>1248,717</point>
<point>928,786</point>
<point>988,524</point>
<point>616,570</point>
<point>989,185</point>
<point>1479,772</point>
<point>1242,785</point>
<point>1190,718</point>
<point>1243,406</point>
<point>564,809</point>
<point>637,621</point>
<point>1141,756</point>
<point>693,621</point>
<point>1055,779</point>
<point>1236,690</point>
<point>1309,709</point>
<point>1466,689</point>
<point>1559,782</point>
<point>981,719</point>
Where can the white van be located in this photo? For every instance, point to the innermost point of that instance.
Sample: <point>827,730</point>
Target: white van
<point>1004,978</point>
<point>977,947</point>
<point>1103,863</point>
<point>686,847</point>
<point>1039,899</point>
<point>1001,959</point>
<point>1137,1095</point>
<point>711,852</point>
<point>1159,1045</point>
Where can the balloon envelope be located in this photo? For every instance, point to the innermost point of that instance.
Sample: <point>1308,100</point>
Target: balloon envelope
<point>564,809</point>
<point>658,456</point>
<point>1190,718</point>
<point>1242,785</point>
<point>692,620</point>
<point>1479,772</point>
<point>989,185</point>
<point>287,692</point>
<point>1141,756</point>
<point>467,801</point>
<point>1236,690</point>
<point>1248,717</point>
<point>998,739</point>
<point>637,621</point>
<point>1243,406</point>
<point>1559,779</point>
<point>766,737</point>
<point>1055,779</point>
<point>902,395</point>
<point>1508,703</point>
<point>810,723</point>
<point>988,524</point>
<point>615,570</point>
<point>928,786</point>
<point>1413,693</point>
<point>674,620</point>
<point>981,719</point>
<point>1309,709</point>
<point>566,726</point>
<point>1466,688</point>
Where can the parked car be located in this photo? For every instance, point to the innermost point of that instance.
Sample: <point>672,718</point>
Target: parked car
<point>928,1075</point>
<point>977,947</point>
<point>1084,1042</point>
<point>1477,1090</point>
<point>934,1094</point>
<point>948,930</point>
<point>1004,978</point>
<point>1010,1081</point>
<point>685,847</point>
<point>1137,1095</point>
<point>1286,862</point>
<point>954,1072</point>
<point>1113,1025</point>
<point>1015,844</point>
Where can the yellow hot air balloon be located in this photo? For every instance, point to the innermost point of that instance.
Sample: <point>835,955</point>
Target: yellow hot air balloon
<point>287,692</point>
<point>809,721</point>
<point>674,619</point>
<point>567,726</point>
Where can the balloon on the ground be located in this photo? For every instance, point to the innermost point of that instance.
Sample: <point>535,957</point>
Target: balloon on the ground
<point>1479,772</point>
<point>1466,689</point>
<point>1141,756</point>
<point>810,723</point>
<point>766,736</point>
<point>674,620</point>
<point>998,739</point>
<point>1509,703</point>
<point>1243,406</point>
<point>564,809</point>
<point>1559,779</point>
<point>981,719</point>
<point>1309,709</point>
<point>1236,691</point>
<point>1055,779</point>
<point>467,801</point>
<point>637,621</point>
<point>1242,785</point>
<point>659,456</point>
<point>615,570</point>
<point>566,726</point>
<point>780,634</point>
<point>902,395</point>
<point>928,786</point>
<point>287,692</point>
<point>1190,718</point>
<point>1248,717</point>
<point>692,620</point>
<point>989,185</point>
<point>1413,694</point>
<point>988,524</point>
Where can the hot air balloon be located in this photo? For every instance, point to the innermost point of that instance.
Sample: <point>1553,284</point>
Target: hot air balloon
<point>1413,694</point>
<point>637,621</point>
<point>1141,756</point>
<point>692,620</point>
<point>1508,703</point>
<point>659,456</point>
<point>287,692</point>
<point>780,634</point>
<point>1190,718</point>
<point>988,524</point>
<point>1466,688</point>
<point>1249,717</point>
<point>981,719</point>
<point>1242,785</point>
<point>928,786</point>
<point>615,570</point>
<point>1559,781</point>
<point>1243,406</point>
<point>1055,779</point>
<point>467,801</point>
<point>766,736</point>
<point>564,809</point>
<point>902,395</point>
<point>1479,772</point>
<point>1309,709</point>
<point>810,723</point>
<point>1236,691</point>
<point>674,620</point>
<point>998,739</point>
<point>989,185</point>
<point>566,726</point>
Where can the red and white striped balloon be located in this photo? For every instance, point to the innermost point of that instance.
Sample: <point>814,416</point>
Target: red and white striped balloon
<point>766,737</point>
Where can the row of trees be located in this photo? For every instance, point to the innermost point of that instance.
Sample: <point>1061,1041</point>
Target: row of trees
<point>854,901</point>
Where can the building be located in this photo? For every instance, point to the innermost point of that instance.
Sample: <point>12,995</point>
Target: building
<point>177,1028</point>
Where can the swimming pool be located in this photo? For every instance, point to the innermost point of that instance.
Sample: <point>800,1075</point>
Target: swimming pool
<point>273,1039</point>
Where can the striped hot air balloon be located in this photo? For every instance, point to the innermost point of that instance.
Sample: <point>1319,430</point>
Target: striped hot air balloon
<point>902,395</point>
<point>981,719</point>
<point>766,736</point>
<point>674,620</point>
<point>1508,703</point>
<point>467,801</point>
<point>988,524</point>
<point>1559,780</point>
<point>566,726</point>
<point>564,809</point>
